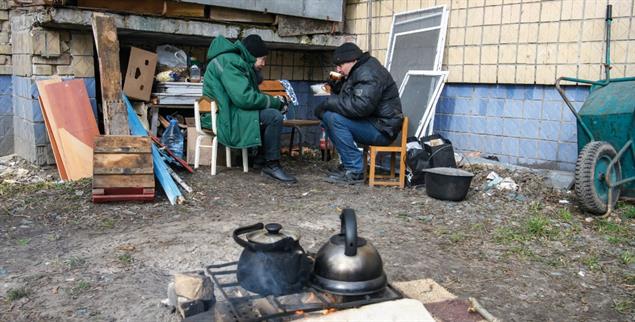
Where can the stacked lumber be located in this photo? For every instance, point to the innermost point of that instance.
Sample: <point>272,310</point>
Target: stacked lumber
<point>178,93</point>
<point>122,168</point>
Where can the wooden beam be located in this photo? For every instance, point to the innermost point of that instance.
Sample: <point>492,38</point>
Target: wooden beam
<point>148,7</point>
<point>237,15</point>
<point>107,43</point>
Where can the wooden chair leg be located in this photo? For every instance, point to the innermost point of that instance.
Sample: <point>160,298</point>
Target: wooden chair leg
<point>392,164</point>
<point>365,162</point>
<point>373,156</point>
<point>402,170</point>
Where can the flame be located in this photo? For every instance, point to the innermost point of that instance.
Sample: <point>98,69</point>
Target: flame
<point>329,311</point>
<point>299,312</point>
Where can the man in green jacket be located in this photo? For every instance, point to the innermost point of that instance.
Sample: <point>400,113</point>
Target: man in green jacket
<point>246,118</point>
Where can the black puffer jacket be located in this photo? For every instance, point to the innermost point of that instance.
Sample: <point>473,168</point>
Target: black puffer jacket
<point>369,92</point>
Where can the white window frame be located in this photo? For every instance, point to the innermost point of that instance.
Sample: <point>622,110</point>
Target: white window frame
<point>426,123</point>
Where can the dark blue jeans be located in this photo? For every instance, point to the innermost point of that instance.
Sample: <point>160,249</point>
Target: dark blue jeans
<point>270,130</point>
<point>345,132</point>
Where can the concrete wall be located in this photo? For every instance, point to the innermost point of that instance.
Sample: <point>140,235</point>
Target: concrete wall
<point>514,41</point>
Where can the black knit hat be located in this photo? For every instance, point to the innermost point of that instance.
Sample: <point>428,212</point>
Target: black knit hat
<point>346,53</point>
<point>255,46</point>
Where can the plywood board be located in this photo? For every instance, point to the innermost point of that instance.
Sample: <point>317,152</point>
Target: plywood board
<point>56,151</point>
<point>71,125</point>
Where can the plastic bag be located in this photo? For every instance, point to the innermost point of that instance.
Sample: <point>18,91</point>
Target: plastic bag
<point>416,161</point>
<point>171,58</point>
<point>173,138</point>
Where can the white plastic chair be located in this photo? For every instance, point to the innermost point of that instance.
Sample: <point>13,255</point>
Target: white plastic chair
<point>211,107</point>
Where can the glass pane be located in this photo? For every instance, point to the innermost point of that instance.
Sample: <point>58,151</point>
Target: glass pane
<point>416,51</point>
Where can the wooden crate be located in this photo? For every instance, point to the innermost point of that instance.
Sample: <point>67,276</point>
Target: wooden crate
<point>122,168</point>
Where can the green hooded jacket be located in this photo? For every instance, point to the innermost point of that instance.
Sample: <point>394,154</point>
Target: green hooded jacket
<point>231,81</point>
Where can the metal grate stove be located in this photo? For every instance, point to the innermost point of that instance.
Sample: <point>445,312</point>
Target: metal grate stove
<point>251,307</point>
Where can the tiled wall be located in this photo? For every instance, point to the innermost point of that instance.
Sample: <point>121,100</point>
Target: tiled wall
<point>514,41</point>
<point>520,124</point>
<point>298,65</point>
<point>6,115</point>
<point>30,137</point>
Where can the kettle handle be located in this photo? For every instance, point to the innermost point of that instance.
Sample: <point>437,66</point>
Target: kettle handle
<point>244,230</point>
<point>349,230</point>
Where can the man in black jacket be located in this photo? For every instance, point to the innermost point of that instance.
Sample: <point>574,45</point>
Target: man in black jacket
<point>365,109</point>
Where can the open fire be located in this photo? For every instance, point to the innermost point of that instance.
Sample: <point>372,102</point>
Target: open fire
<point>248,306</point>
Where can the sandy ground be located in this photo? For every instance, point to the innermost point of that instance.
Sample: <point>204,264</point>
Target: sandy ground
<point>525,256</point>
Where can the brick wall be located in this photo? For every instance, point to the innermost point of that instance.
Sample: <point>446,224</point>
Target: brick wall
<point>514,41</point>
<point>6,108</point>
<point>298,65</point>
<point>520,124</point>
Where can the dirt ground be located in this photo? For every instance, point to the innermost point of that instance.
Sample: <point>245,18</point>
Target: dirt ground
<point>525,256</point>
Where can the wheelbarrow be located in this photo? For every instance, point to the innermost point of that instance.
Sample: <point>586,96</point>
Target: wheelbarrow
<point>605,168</point>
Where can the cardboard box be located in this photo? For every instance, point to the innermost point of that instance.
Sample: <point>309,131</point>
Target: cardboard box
<point>140,74</point>
<point>206,153</point>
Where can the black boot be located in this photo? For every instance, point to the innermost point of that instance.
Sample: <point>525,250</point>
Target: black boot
<point>272,169</point>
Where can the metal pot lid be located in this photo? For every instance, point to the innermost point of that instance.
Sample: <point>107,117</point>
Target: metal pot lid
<point>449,172</point>
<point>272,233</point>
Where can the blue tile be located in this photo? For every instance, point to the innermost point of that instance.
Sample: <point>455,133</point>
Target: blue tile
<point>449,105</point>
<point>534,92</point>
<point>6,85</point>
<point>551,94</point>
<point>482,91</point>
<point>549,130</point>
<point>510,146</point>
<point>500,91</point>
<point>567,116</point>
<point>495,107</point>
<point>513,108</point>
<point>482,106</point>
<point>442,105</point>
<point>548,150</point>
<point>478,124</point>
<point>479,142</point>
<point>516,92</point>
<point>494,145</point>
<point>33,112</point>
<point>528,161</point>
<point>41,136</point>
<point>567,152</point>
<point>529,129</point>
<point>465,90</point>
<point>528,148</point>
<point>494,126</point>
<point>511,127</point>
<point>6,108</point>
<point>552,110</point>
<point>568,132</point>
<point>532,109</point>
<point>580,94</point>
<point>463,106</point>
<point>566,166</point>
<point>441,122</point>
<point>447,88</point>
<point>577,106</point>
<point>459,123</point>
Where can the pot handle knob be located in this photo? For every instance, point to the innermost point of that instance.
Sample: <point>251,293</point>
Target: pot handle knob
<point>273,228</point>
<point>349,229</point>
<point>243,230</point>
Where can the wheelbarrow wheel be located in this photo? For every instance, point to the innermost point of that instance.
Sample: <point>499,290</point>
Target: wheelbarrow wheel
<point>590,173</point>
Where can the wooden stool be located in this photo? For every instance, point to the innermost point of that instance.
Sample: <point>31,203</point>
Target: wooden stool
<point>401,149</point>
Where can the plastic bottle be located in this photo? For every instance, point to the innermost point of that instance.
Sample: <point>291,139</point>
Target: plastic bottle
<point>195,71</point>
<point>173,138</point>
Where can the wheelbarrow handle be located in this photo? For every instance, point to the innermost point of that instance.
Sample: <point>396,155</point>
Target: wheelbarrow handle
<point>570,105</point>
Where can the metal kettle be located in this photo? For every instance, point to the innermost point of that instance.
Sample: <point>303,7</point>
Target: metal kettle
<point>348,264</point>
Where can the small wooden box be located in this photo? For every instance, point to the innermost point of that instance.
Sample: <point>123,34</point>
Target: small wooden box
<point>122,168</point>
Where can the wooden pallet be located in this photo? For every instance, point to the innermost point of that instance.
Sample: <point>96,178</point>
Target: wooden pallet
<point>122,168</point>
